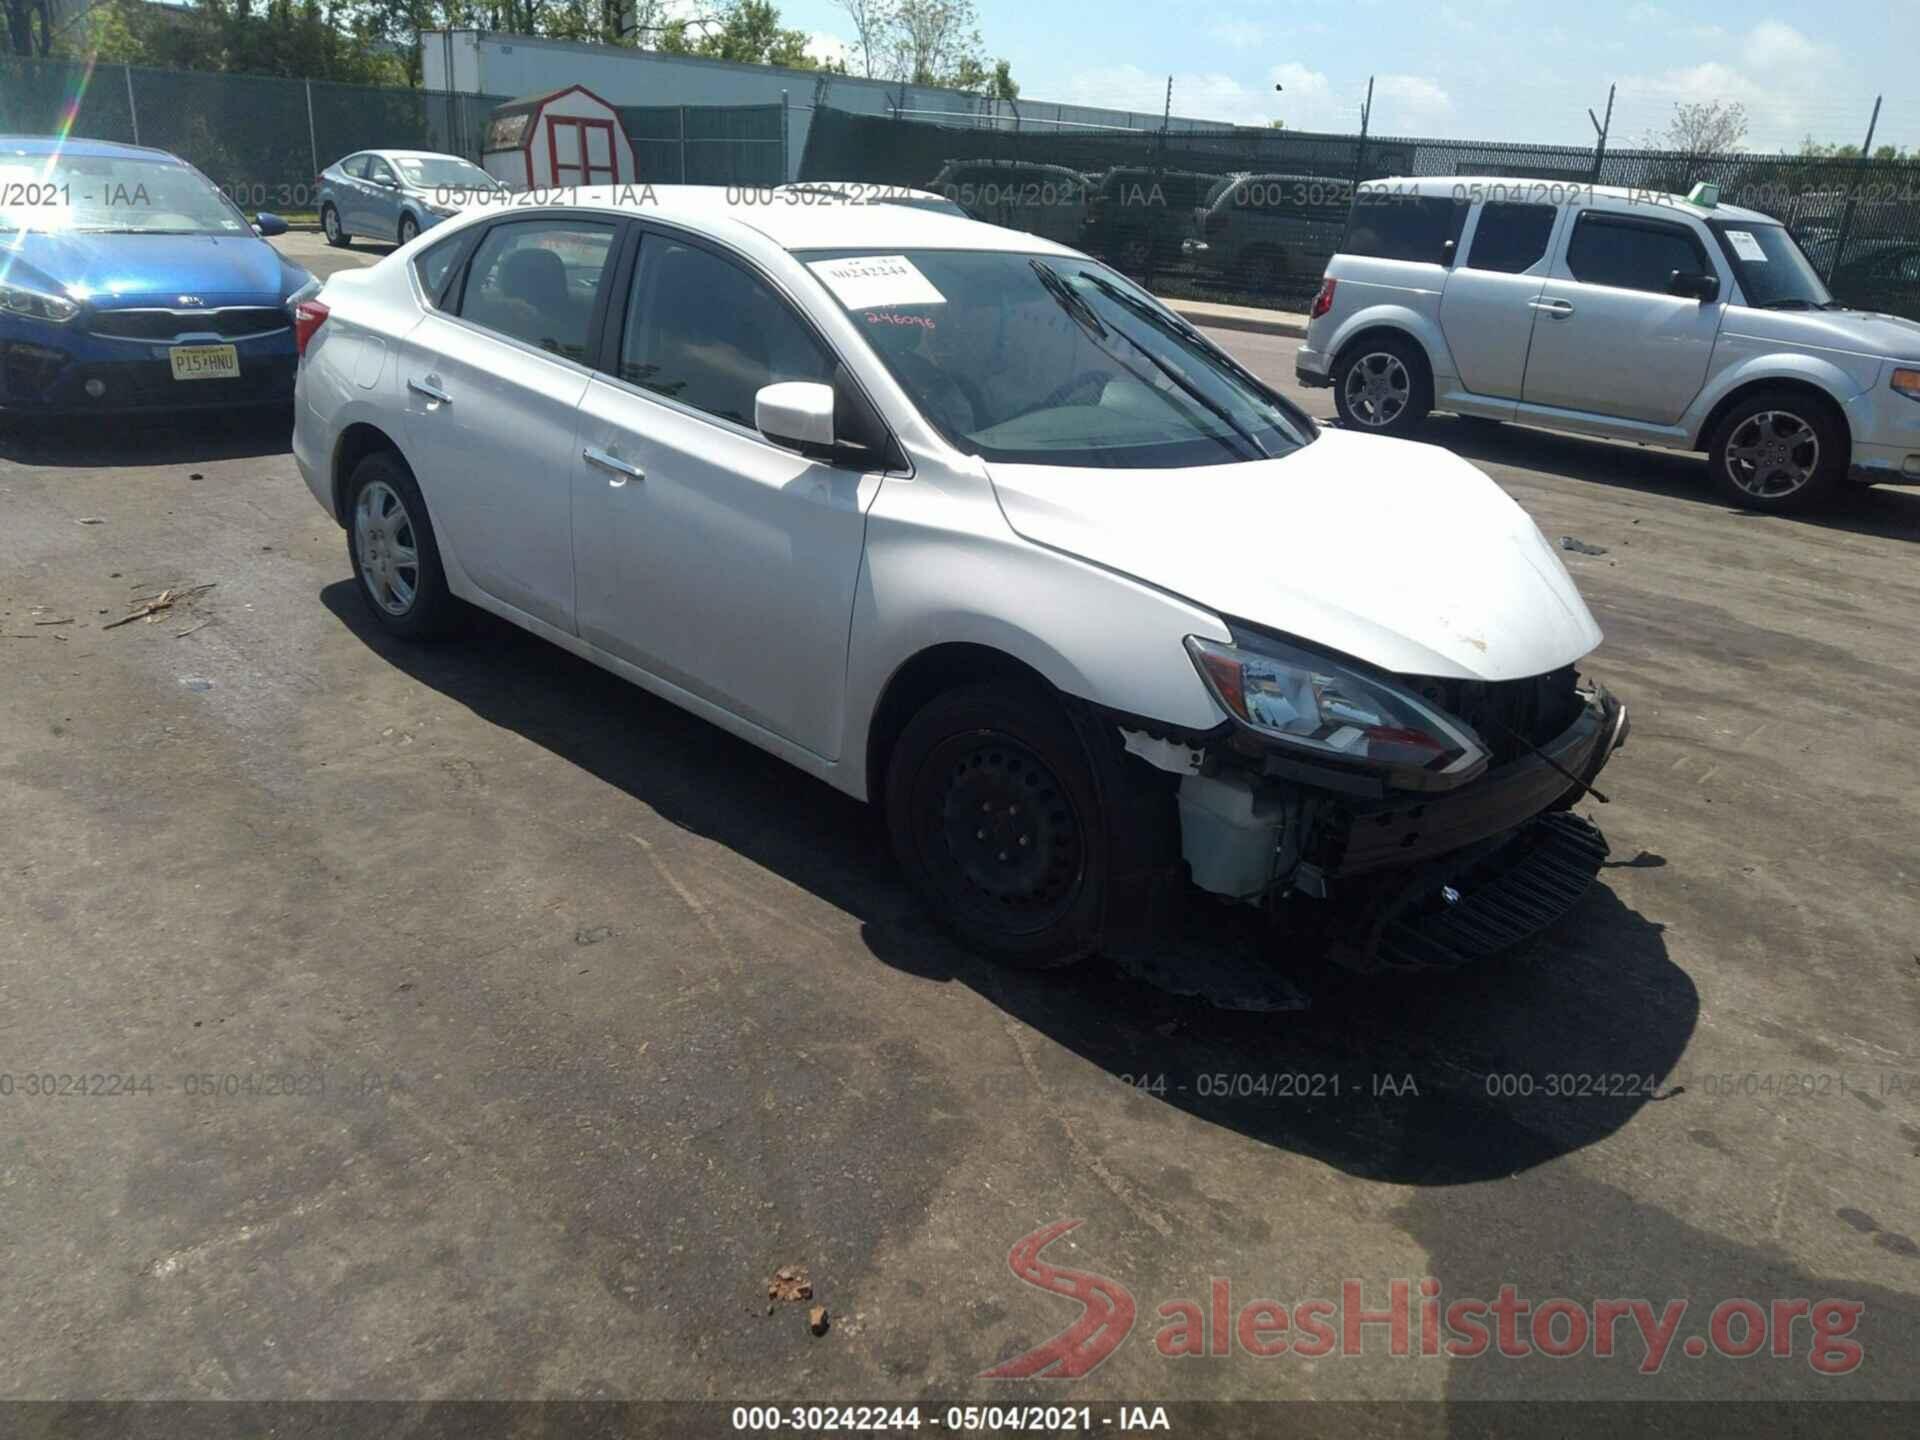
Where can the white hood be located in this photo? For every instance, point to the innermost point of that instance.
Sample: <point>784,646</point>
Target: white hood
<point>1397,553</point>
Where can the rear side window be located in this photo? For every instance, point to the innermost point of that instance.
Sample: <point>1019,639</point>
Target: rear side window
<point>536,281</point>
<point>355,166</point>
<point>705,332</point>
<point>1387,226</point>
<point>1631,254</point>
<point>434,264</point>
<point>1510,238</point>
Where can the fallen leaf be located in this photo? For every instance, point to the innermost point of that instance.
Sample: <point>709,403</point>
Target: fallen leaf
<point>790,1282</point>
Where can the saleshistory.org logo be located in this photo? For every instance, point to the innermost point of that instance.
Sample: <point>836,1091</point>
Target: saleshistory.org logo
<point>1509,1325</point>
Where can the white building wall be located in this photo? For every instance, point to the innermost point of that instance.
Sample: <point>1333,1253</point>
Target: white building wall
<point>486,63</point>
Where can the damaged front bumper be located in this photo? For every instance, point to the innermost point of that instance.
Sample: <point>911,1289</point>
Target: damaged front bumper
<point>1260,827</point>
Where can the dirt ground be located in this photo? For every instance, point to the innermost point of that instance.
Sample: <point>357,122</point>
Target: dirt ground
<point>558,1020</point>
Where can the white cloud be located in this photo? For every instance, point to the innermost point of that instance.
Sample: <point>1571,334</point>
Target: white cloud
<point>1776,45</point>
<point>1404,100</point>
<point>827,48</point>
<point>1238,34</point>
<point>1786,81</point>
<point>1200,96</point>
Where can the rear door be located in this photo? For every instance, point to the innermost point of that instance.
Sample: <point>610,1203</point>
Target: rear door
<point>1486,310</point>
<point>709,556</point>
<point>493,390</point>
<point>1609,339</point>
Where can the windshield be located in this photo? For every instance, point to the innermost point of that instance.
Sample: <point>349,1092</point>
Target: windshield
<point>1055,360</point>
<point>91,194</point>
<point>1773,272</point>
<point>423,173</point>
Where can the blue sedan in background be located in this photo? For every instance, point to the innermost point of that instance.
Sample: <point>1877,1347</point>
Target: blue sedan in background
<point>128,282</point>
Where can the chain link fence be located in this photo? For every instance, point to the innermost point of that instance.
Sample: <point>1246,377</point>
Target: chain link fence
<point>707,144</point>
<point>1252,216</point>
<point>262,139</point>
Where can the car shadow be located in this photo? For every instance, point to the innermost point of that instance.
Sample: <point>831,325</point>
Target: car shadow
<point>180,439</point>
<point>1435,1080</point>
<point>1888,512</point>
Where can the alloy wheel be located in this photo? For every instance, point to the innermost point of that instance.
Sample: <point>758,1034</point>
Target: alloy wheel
<point>1377,389</point>
<point>389,553</point>
<point>1771,454</point>
<point>330,222</point>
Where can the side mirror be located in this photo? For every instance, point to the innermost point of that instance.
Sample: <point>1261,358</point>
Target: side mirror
<point>1701,285</point>
<point>797,414</point>
<point>267,223</point>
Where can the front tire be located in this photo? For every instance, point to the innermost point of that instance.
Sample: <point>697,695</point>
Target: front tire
<point>409,228</point>
<point>998,823</point>
<point>331,228</point>
<point>395,557</point>
<point>1382,386</point>
<point>1778,451</point>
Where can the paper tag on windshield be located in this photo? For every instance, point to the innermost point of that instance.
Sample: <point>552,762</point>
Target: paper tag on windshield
<point>865,281</point>
<point>1745,246</point>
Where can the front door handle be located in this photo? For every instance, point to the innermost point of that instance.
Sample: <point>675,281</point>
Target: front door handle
<point>430,388</point>
<point>617,469</point>
<point>1556,309</point>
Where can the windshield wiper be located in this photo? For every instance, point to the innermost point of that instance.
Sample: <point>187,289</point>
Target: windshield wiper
<point>1790,303</point>
<point>1076,306</point>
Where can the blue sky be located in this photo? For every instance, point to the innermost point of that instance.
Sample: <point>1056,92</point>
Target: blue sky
<point>1476,69</point>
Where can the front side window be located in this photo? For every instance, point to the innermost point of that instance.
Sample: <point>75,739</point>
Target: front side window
<point>1510,238</point>
<point>1054,360</point>
<point>379,171</point>
<point>1631,254</point>
<point>536,281</point>
<point>112,195</point>
<point>1389,226</point>
<point>705,332</point>
<point>1774,273</point>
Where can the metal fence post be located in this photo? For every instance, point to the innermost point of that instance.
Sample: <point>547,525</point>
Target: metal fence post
<point>1853,188</point>
<point>313,140</point>
<point>785,173</point>
<point>133,114</point>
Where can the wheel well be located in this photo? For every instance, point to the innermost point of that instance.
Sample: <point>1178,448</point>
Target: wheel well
<point>933,672</point>
<point>1704,436</point>
<point>356,443</point>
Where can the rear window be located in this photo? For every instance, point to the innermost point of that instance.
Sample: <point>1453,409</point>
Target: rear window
<point>1510,238</point>
<point>1389,226</point>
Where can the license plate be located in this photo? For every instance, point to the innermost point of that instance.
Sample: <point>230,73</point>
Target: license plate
<point>204,362</point>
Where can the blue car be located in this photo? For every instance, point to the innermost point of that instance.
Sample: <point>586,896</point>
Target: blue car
<point>128,282</point>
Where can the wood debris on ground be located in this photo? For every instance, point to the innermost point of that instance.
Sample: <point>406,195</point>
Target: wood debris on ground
<point>790,1282</point>
<point>153,606</point>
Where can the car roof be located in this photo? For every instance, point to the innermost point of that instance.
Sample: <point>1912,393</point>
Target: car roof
<point>94,149</point>
<point>862,190</point>
<point>718,210</point>
<point>411,155</point>
<point>1526,186</point>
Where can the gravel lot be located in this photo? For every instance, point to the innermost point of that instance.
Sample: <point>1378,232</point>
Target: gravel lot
<point>615,1014</point>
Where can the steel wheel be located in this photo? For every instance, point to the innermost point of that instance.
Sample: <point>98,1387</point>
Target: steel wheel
<point>1377,389</point>
<point>387,548</point>
<point>1772,454</point>
<point>1001,833</point>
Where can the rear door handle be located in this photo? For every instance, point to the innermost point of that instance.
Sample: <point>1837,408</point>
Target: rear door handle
<point>1557,309</point>
<point>429,388</point>
<point>619,470</point>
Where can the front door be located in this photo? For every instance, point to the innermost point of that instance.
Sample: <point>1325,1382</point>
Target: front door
<point>1608,338</point>
<point>712,558</point>
<point>493,394</point>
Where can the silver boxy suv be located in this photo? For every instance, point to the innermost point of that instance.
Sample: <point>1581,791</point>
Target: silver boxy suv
<point>1636,315</point>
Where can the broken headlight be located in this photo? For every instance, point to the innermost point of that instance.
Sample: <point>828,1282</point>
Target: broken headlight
<point>37,304</point>
<point>1334,711</point>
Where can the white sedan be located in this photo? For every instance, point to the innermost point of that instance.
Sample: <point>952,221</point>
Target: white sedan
<point>965,523</point>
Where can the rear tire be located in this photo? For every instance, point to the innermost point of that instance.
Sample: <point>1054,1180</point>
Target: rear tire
<point>331,228</point>
<point>1382,386</point>
<point>1780,452</point>
<point>997,820</point>
<point>396,559</point>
